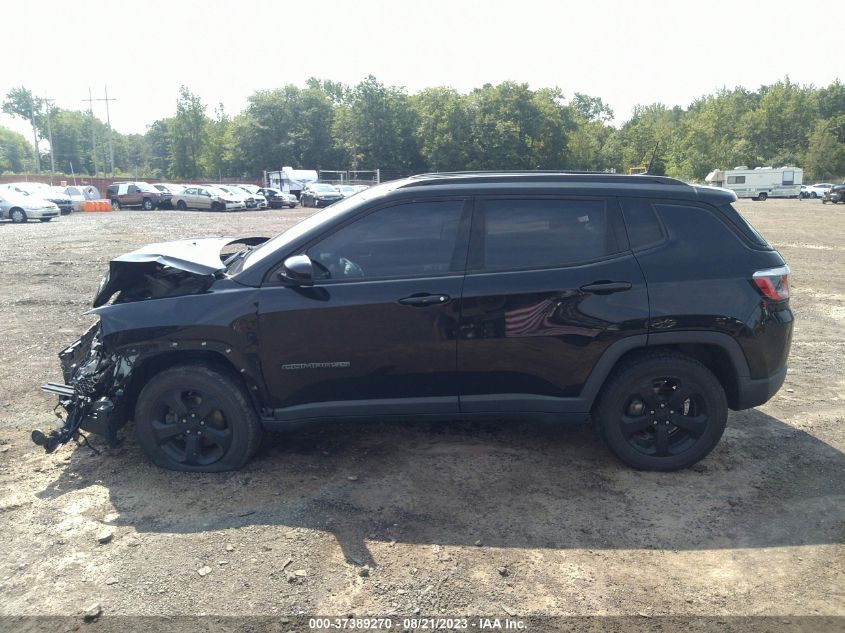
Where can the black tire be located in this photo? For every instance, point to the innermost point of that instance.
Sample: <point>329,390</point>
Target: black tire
<point>215,206</point>
<point>17,215</point>
<point>763,196</point>
<point>115,205</point>
<point>148,205</point>
<point>631,412</point>
<point>181,205</point>
<point>194,418</point>
<point>45,219</point>
<point>814,195</point>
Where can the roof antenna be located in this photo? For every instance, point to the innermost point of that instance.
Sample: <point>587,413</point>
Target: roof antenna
<point>651,162</point>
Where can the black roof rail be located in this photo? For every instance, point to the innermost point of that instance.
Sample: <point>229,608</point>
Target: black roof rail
<point>437,178</point>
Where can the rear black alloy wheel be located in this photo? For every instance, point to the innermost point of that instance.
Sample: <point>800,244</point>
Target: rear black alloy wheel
<point>664,412</point>
<point>195,418</point>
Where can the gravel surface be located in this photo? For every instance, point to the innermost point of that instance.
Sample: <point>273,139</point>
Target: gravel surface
<point>458,518</point>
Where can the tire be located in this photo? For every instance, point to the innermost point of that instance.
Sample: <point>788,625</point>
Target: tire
<point>45,219</point>
<point>115,205</point>
<point>215,206</point>
<point>763,196</point>
<point>814,195</point>
<point>17,215</point>
<point>223,434</point>
<point>181,206</point>
<point>658,383</point>
<point>148,205</point>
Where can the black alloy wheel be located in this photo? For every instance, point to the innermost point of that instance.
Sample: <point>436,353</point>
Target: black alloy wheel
<point>663,411</point>
<point>192,417</point>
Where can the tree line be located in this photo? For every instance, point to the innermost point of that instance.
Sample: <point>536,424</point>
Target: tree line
<point>330,125</point>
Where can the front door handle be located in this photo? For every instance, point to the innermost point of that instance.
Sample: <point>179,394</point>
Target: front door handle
<point>606,287</point>
<point>420,300</point>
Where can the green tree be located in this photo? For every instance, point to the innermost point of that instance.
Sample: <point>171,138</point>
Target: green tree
<point>188,135</point>
<point>825,155</point>
<point>21,103</point>
<point>15,152</point>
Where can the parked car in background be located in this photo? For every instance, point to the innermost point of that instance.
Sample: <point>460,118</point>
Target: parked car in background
<point>82,193</point>
<point>207,198</point>
<point>278,199</point>
<point>835,194</point>
<point>238,194</point>
<point>169,188</point>
<point>346,190</point>
<point>44,191</point>
<point>136,194</point>
<point>251,191</point>
<point>19,207</point>
<point>319,194</point>
<point>816,191</point>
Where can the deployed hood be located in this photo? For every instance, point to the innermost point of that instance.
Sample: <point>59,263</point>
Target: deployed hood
<point>167,269</point>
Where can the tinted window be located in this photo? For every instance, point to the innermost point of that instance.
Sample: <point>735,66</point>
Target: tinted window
<point>541,233</point>
<point>641,223</point>
<point>406,240</point>
<point>744,226</point>
<point>736,180</point>
<point>133,189</point>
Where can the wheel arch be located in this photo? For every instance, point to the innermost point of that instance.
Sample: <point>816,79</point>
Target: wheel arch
<point>720,353</point>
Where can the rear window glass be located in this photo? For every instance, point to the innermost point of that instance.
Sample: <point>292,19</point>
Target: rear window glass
<point>641,223</point>
<point>748,231</point>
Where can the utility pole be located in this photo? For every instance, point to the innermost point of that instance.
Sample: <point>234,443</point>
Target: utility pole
<point>50,138</point>
<point>108,122</point>
<point>90,101</point>
<point>35,134</point>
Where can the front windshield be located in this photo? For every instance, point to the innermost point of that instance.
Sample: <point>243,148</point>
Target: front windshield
<point>219,192</point>
<point>324,188</point>
<point>143,186</point>
<point>325,216</point>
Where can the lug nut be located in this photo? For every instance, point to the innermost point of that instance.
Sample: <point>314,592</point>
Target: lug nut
<point>662,406</point>
<point>193,415</point>
<point>202,422</point>
<point>666,422</point>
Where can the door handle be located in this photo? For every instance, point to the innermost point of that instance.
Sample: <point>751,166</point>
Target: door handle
<point>425,300</point>
<point>606,287</point>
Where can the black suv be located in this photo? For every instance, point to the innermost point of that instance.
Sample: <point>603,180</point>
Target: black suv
<point>643,303</point>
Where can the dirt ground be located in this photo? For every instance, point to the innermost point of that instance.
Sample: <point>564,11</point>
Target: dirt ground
<point>499,519</point>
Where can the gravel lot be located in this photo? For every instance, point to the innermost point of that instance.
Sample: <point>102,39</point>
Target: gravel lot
<point>444,518</point>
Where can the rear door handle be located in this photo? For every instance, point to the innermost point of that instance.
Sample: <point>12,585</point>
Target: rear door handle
<point>606,287</point>
<point>420,300</point>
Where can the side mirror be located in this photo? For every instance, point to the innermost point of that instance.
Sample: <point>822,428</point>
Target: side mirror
<point>298,269</point>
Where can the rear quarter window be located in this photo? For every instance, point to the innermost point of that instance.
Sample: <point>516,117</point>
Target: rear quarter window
<point>641,222</point>
<point>744,227</point>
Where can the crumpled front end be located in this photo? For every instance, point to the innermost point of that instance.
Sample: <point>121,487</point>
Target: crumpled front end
<point>91,394</point>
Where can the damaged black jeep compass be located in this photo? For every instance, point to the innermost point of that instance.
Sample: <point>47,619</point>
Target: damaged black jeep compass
<point>643,303</point>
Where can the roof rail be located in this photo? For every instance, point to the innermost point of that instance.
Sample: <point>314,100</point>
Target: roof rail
<point>540,176</point>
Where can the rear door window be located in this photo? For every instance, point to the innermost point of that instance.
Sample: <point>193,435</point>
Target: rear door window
<point>514,234</point>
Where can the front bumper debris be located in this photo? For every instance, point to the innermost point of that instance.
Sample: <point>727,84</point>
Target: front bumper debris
<point>87,397</point>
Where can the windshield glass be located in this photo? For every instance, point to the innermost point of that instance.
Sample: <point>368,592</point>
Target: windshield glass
<point>324,188</point>
<point>272,245</point>
<point>143,186</point>
<point>216,191</point>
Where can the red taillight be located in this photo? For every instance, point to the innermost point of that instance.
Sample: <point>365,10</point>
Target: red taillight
<point>773,283</point>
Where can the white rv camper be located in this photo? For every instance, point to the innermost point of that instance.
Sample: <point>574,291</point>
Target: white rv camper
<point>290,180</point>
<point>759,183</point>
